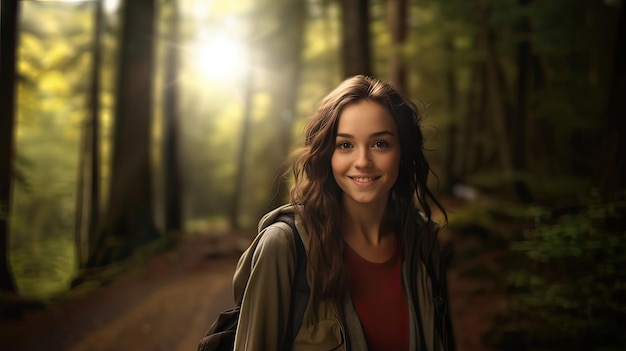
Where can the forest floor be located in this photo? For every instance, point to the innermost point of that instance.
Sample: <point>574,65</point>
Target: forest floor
<point>169,303</point>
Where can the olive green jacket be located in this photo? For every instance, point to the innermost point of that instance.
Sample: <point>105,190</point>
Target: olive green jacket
<point>262,283</point>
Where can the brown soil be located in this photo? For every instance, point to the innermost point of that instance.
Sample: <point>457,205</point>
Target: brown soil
<point>475,302</point>
<point>166,306</point>
<point>170,304</point>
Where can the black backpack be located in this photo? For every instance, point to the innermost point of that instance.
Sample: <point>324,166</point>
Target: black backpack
<point>221,334</point>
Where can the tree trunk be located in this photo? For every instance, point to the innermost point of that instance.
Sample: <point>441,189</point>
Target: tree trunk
<point>94,201</point>
<point>329,22</point>
<point>356,53</point>
<point>611,168</point>
<point>173,205</point>
<point>295,13</point>
<point>471,154</point>
<point>519,123</point>
<point>8,44</point>
<point>243,149</point>
<point>397,22</point>
<point>451,167</point>
<point>497,107</point>
<point>129,220</point>
<point>88,184</point>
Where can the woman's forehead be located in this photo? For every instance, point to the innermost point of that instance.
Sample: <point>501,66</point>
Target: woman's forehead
<point>365,117</point>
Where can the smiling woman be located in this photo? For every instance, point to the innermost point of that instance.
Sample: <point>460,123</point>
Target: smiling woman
<point>220,57</point>
<point>362,208</point>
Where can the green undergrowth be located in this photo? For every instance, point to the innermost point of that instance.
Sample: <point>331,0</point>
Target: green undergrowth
<point>561,268</point>
<point>45,269</point>
<point>567,288</point>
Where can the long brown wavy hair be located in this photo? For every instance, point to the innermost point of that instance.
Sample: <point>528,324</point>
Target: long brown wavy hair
<point>318,198</point>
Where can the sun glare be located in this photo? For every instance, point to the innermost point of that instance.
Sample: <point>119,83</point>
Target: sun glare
<point>111,6</point>
<point>220,57</point>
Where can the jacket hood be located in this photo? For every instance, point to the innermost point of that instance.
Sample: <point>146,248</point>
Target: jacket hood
<point>271,216</point>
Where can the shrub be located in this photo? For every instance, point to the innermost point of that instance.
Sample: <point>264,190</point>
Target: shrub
<point>571,285</point>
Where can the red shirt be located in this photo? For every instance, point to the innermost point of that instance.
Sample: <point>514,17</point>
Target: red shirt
<point>380,301</point>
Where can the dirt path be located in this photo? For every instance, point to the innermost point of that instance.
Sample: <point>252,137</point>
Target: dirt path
<point>474,303</point>
<point>171,318</point>
<point>169,305</point>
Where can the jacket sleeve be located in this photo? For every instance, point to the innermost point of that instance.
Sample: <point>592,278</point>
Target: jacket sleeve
<point>265,303</point>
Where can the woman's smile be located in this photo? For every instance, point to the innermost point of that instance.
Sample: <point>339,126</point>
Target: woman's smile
<point>364,181</point>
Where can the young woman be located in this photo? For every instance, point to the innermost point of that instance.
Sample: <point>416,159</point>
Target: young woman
<point>362,209</point>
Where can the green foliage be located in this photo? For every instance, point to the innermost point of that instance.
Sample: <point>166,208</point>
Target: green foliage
<point>572,285</point>
<point>44,269</point>
<point>53,62</point>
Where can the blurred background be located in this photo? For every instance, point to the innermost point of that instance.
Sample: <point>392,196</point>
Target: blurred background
<point>130,129</point>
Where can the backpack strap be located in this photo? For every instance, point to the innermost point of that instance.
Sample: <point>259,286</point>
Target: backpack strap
<point>443,324</point>
<point>300,290</point>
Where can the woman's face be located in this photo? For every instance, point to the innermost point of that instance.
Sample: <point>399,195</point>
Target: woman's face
<point>366,159</point>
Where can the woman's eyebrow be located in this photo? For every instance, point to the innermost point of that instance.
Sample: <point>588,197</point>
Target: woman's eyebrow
<point>373,135</point>
<point>379,134</point>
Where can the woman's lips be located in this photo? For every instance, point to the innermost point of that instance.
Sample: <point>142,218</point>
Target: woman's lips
<point>363,180</point>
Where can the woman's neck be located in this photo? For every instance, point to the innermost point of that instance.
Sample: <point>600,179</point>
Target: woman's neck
<point>364,222</point>
<point>366,233</point>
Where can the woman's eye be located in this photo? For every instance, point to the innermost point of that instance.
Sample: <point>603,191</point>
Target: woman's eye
<point>380,144</point>
<point>343,146</point>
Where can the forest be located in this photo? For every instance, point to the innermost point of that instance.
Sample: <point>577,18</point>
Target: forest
<point>127,127</point>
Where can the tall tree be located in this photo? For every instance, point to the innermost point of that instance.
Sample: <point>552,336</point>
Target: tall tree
<point>495,92</point>
<point>451,172</point>
<point>356,51</point>
<point>8,45</point>
<point>88,187</point>
<point>612,167</point>
<point>472,152</point>
<point>173,205</point>
<point>294,16</point>
<point>129,221</point>
<point>397,22</point>
<point>519,122</point>
<point>244,139</point>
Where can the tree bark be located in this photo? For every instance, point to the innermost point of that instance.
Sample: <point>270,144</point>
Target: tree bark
<point>611,168</point>
<point>295,13</point>
<point>497,106</point>
<point>519,123</point>
<point>451,167</point>
<point>88,184</point>
<point>471,154</point>
<point>397,22</point>
<point>129,220</point>
<point>243,149</point>
<point>356,52</point>
<point>8,43</point>
<point>173,204</point>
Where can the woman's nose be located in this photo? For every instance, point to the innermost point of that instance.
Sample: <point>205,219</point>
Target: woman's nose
<point>363,159</point>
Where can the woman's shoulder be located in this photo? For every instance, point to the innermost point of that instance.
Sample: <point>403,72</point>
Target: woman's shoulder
<point>271,249</point>
<point>275,234</point>
<point>276,238</point>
